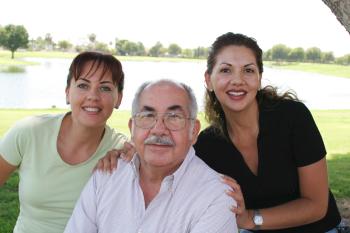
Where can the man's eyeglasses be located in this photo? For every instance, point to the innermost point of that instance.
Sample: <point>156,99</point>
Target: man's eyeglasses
<point>172,120</point>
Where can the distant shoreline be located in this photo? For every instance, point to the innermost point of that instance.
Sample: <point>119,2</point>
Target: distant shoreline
<point>324,69</point>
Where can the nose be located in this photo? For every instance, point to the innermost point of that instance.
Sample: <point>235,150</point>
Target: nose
<point>93,94</point>
<point>236,78</point>
<point>159,127</point>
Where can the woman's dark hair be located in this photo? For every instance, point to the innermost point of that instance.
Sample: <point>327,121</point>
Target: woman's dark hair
<point>214,113</point>
<point>107,61</point>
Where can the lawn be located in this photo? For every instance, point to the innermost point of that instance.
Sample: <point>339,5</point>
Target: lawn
<point>334,126</point>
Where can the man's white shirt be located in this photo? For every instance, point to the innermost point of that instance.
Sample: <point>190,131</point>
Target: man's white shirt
<point>192,199</point>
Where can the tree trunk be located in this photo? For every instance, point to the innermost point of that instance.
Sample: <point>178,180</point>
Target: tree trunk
<point>341,9</point>
<point>12,54</point>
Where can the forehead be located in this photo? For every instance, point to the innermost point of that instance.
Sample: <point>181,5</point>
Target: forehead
<point>236,54</point>
<point>94,71</point>
<point>163,97</point>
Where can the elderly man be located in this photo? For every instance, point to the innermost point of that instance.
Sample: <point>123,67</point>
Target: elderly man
<point>165,188</point>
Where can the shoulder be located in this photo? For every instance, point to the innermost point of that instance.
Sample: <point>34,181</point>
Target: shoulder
<point>115,137</point>
<point>36,123</point>
<point>208,142</point>
<point>205,185</point>
<point>103,180</point>
<point>204,176</point>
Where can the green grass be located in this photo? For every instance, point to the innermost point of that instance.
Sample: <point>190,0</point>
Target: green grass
<point>325,69</point>
<point>334,126</point>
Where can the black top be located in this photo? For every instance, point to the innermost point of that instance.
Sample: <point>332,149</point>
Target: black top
<point>288,139</point>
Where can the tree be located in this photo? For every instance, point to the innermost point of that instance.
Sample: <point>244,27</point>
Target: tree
<point>49,44</point>
<point>13,37</point>
<point>313,54</point>
<point>279,52</point>
<point>296,54</point>
<point>327,57</point>
<point>64,45</point>
<point>200,52</point>
<point>174,49</point>
<point>157,50</point>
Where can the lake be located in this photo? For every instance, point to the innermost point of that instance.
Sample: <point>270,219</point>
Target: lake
<point>43,86</point>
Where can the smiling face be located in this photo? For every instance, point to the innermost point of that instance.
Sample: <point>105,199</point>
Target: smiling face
<point>235,78</point>
<point>92,96</point>
<point>158,99</point>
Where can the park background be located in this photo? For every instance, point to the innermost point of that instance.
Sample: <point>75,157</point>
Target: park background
<point>299,39</point>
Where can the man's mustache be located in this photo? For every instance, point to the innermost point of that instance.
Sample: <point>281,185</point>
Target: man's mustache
<point>159,140</point>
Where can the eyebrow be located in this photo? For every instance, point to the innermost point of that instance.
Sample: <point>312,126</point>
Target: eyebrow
<point>88,81</point>
<point>171,108</point>
<point>228,64</point>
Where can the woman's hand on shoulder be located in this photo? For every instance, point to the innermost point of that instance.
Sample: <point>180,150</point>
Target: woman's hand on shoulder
<point>110,161</point>
<point>243,218</point>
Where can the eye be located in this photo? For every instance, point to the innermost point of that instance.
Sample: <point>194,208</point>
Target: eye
<point>82,86</point>
<point>249,70</point>
<point>146,115</point>
<point>225,70</point>
<point>174,116</point>
<point>105,89</point>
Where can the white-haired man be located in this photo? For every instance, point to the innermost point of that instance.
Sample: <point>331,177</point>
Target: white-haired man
<point>165,188</point>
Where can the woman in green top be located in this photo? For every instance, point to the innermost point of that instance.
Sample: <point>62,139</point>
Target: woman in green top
<point>55,154</point>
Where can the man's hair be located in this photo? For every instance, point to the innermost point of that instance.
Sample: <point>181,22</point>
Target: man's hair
<point>192,108</point>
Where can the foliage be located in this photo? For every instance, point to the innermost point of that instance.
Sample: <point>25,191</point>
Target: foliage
<point>313,54</point>
<point>13,69</point>
<point>280,52</point>
<point>296,54</point>
<point>157,50</point>
<point>13,37</point>
<point>174,49</point>
<point>344,60</point>
<point>129,48</point>
<point>200,52</point>
<point>327,57</point>
<point>64,45</point>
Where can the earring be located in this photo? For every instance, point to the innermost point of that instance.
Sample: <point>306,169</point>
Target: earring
<point>67,102</point>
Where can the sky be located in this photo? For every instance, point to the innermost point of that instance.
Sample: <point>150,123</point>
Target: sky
<point>189,23</point>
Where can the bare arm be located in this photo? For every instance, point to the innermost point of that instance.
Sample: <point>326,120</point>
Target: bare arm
<point>5,170</point>
<point>310,207</point>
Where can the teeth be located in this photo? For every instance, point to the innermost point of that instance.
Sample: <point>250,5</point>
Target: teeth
<point>236,93</point>
<point>91,109</point>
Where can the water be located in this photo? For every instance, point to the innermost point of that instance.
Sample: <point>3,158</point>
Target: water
<point>43,86</point>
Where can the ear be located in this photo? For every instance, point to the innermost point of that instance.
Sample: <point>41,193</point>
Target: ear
<point>208,81</point>
<point>130,126</point>
<point>67,95</point>
<point>195,131</point>
<point>260,78</point>
<point>119,100</point>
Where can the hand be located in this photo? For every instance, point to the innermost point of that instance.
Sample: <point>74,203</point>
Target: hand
<point>110,161</point>
<point>243,216</point>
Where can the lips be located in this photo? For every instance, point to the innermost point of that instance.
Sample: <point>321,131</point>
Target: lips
<point>92,109</point>
<point>236,93</point>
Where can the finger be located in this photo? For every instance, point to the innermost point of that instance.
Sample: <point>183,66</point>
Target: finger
<point>236,210</point>
<point>114,160</point>
<point>106,163</point>
<point>237,196</point>
<point>99,165</point>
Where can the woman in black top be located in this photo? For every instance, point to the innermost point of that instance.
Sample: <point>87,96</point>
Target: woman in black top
<point>269,143</point>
